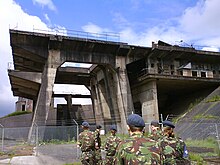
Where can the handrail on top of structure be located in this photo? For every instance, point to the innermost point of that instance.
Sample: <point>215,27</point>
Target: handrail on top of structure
<point>106,36</point>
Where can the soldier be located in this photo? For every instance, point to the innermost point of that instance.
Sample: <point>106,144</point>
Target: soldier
<point>110,146</point>
<point>136,149</point>
<point>98,156</point>
<point>156,132</point>
<point>173,148</point>
<point>87,144</point>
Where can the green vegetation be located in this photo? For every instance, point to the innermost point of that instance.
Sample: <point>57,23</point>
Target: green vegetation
<point>18,113</point>
<point>207,148</point>
<point>196,158</point>
<point>57,141</point>
<point>196,102</point>
<point>207,117</point>
<point>207,143</point>
<point>191,106</point>
<point>214,99</point>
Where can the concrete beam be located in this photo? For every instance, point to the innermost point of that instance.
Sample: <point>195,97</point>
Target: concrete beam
<point>30,76</point>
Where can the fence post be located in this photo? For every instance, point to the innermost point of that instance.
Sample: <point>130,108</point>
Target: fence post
<point>77,130</point>
<point>77,134</point>
<point>3,132</point>
<point>36,138</point>
<point>216,127</point>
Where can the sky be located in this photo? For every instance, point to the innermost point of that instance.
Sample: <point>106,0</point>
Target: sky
<point>138,22</point>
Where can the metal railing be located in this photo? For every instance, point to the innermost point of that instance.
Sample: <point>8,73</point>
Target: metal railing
<point>105,36</point>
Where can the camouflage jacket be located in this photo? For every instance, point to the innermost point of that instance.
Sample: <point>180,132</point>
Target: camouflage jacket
<point>138,150</point>
<point>86,141</point>
<point>97,138</point>
<point>156,135</point>
<point>111,145</point>
<point>173,150</point>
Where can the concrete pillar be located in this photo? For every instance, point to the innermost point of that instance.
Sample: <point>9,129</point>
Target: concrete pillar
<point>98,104</point>
<point>68,99</point>
<point>45,94</point>
<point>147,95</point>
<point>124,98</point>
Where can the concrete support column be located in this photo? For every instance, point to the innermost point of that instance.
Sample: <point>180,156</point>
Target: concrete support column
<point>45,94</point>
<point>68,99</point>
<point>148,99</point>
<point>124,98</point>
<point>98,104</point>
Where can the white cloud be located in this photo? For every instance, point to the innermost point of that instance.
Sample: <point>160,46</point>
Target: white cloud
<point>47,18</point>
<point>92,28</point>
<point>12,16</point>
<point>202,20</point>
<point>48,3</point>
<point>198,26</point>
<point>213,49</point>
<point>96,32</point>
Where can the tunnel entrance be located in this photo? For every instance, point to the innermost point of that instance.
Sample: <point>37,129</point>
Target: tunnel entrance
<point>176,96</point>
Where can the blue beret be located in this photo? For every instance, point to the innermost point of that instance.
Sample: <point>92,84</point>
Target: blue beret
<point>135,120</point>
<point>168,123</point>
<point>113,127</point>
<point>85,124</point>
<point>155,123</point>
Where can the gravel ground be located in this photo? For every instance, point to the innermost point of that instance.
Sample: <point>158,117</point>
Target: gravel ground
<point>65,153</point>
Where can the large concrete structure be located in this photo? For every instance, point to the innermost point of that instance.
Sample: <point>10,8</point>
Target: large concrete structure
<point>123,79</point>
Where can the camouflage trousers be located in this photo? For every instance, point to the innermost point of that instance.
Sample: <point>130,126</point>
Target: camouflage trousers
<point>109,160</point>
<point>173,161</point>
<point>87,158</point>
<point>98,157</point>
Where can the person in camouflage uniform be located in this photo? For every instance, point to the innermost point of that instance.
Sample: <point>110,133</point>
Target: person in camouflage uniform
<point>110,146</point>
<point>172,148</point>
<point>156,132</point>
<point>98,156</point>
<point>136,149</point>
<point>86,142</point>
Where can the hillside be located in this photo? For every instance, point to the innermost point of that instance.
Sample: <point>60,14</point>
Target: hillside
<point>202,120</point>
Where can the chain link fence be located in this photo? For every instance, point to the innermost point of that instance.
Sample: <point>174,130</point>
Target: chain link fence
<point>11,137</point>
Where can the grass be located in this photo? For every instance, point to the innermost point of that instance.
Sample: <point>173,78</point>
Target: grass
<point>56,141</point>
<point>206,143</point>
<point>209,143</point>
<point>214,99</point>
<point>207,117</point>
<point>18,113</point>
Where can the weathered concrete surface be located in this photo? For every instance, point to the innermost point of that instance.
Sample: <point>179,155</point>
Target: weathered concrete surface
<point>119,70</point>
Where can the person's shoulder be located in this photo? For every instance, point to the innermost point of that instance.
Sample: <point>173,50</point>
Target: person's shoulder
<point>90,132</point>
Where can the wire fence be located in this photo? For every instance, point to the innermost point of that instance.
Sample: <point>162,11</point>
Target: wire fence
<point>11,137</point>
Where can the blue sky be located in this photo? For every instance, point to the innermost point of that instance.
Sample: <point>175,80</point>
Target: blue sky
<point>138,22</point>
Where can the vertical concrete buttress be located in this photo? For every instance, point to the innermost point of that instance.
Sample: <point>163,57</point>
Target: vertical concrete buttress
<point>44,99</point>
<point>98,104</point>
<point>146,94</point>
<point>124,97</point>
<point>112,99</point>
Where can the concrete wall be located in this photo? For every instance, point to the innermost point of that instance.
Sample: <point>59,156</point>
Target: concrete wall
<point>17,121</point>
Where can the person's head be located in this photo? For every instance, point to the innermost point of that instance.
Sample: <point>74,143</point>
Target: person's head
<point>154,125</point>
<point>135,123</point>
<point>168,127</point>
<point>85,125</point>
<point>113,129</point>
